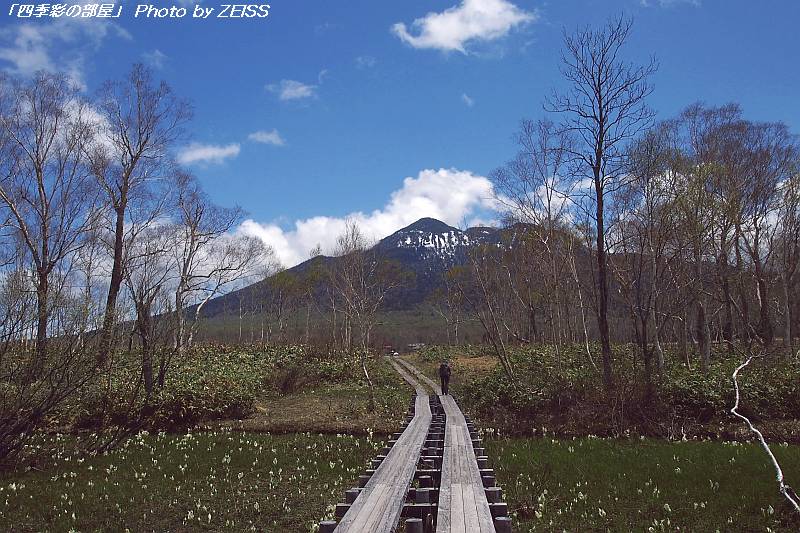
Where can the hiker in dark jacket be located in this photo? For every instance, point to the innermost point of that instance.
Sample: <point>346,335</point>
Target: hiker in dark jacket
<point>444,375</point>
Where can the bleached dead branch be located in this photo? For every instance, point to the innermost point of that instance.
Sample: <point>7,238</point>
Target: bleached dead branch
<point>784,489</point>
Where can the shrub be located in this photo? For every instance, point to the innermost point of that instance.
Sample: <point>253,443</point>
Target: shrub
<point>564,389</point>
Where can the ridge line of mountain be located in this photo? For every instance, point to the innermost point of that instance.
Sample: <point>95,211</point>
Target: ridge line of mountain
<point>427,247</point>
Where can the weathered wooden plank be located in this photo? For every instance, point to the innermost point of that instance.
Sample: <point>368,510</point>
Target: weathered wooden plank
<point>443,520</point>
<point>372,508</point>
<point>379,505</point>
<point>463,506</point>
<point>484,513</point>
<point>470,505</point>
<point>457,524</point>
<point>422,377</point>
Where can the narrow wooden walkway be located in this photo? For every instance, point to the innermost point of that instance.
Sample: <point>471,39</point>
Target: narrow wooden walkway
<point>380,503</point>
<point>463,507</point>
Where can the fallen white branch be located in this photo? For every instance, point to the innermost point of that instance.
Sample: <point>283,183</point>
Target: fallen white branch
<point>785,489</point>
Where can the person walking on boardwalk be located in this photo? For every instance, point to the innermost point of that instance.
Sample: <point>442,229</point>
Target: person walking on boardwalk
<point>444,375</point>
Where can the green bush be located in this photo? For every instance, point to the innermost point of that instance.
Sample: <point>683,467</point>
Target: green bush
<point>545,384</point>
<point>564,388</point>
<point>769,389</point>
<point>208,383</point>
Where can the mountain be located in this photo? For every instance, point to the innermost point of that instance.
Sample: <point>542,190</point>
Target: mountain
<point>428,248</point>
<point>431,241</point>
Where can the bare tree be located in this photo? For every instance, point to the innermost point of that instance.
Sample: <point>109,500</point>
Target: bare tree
<point>603,109</point>
<point>484,286</point>
<point>260,299</point>
<point>47,209</point>
<point>695,171</point>
<point>310,281</point>
<point>727,174</point>
<point>448,304</point>
<point>770,153</point>
<point>362,280</point>
<point>140,122</point>
<point>148,269</point>
<point>45,185</point>
<point>535,192</point>
<point>789,255</point>
<point>646,217</point>
<point>285,291</point>
<point>209,260</point>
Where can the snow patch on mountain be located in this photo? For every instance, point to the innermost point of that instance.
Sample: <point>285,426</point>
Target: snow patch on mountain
<point>430,239</point>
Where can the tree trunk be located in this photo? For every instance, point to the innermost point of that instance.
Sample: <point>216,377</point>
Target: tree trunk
<point>602,281</point>
<point>703,337</point>
<point>193,326</point>
<point>657,342</point>
<point>582,307</point>
<point>333,322</point>
<point>727,328</point>
<point>703,331</point>
<point>42,318</point>
<point>109,318</point>
<point>765,329</point>
<point>637,339</point>
<point>240,322</point>
<point>742,296</point>
<point>647,357</point>
<point>787,321</point>
<point>180,320</point>
<point>308,322</point>
<point>533,332</point>
<point>147,365</point>
<point>364,354</point>
<point>685,338</point>
<point>654,304</point>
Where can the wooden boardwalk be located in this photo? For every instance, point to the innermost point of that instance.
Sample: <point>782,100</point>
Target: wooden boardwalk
<point>379,505</point>
<point>463,507</point>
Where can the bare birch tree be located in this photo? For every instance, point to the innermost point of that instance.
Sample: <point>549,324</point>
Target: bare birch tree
<point>603,109</point>
<point>45,186</point>
<point>362,280</point>
<point>208,259</point>
<point>534,190</point>
<point>140,120</point>
<point>148,269</point>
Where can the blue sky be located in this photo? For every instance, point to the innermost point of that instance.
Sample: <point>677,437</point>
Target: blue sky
<point>325,110</point>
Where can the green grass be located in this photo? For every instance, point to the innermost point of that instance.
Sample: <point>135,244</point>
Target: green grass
<point>272,388</point>
<point>324,406</point>
<point>224,480</point>
<point>211,481</point>
<point>593,484</point>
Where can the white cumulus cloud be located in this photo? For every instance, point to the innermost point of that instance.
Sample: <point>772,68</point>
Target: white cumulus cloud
<point>471,20</point>
<point>207,153</point>
<point>447,194</point>
<point>63,44</point>
<point>267,137</point>
<point>292,90</point>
